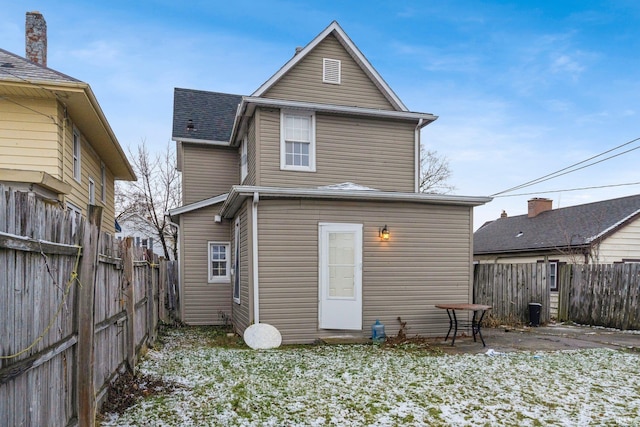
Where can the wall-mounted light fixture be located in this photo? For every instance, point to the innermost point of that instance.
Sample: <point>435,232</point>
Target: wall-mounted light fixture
<point>383,233</point>
<point>190,126</point>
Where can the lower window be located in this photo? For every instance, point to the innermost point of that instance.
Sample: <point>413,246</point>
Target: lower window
<point>219,264</point>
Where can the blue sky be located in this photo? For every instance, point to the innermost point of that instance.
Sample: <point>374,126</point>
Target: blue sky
<point>521,88</point>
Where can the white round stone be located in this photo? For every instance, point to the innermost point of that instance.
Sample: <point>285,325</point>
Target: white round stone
<point>262,336</point>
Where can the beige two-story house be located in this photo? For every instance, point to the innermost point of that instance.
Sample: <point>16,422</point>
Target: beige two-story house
<point>301,205</point>
<point>54,138</point>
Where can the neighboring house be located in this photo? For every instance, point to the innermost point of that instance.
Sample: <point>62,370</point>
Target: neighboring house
<point>143,232</point>
<point>301,205</point>
<point>595,233</point>
<point>54,137</point>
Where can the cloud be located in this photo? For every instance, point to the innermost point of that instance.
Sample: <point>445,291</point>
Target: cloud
<point>566,64</point>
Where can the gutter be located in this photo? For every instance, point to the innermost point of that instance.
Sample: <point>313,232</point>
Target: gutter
<point>247,101</point>
<point>239,193</point>
<point>254,256</point>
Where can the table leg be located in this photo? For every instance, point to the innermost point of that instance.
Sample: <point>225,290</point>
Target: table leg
<point>476,326</point>
<point>450,326</point>
<point>455,327</point>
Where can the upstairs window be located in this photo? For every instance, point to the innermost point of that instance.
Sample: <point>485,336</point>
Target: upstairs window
<point>77,171</point>
<point>331,71</point>
<point>92,191</point>
<point>297,141</point>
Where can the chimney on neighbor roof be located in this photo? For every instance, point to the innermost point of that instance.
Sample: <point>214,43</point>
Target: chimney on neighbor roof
<point>537,205</point>
<point>36,38</point>
<point>503,214</point>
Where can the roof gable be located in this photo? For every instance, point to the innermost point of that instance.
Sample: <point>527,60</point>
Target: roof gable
<point>335,31</point>
<point>573,226</point>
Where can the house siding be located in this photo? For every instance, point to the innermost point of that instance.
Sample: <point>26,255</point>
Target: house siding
<point>211,171</point>
<point>252,173</point>
<point>30,141</point>
<point>426,261</point>
<point>44,142</point>
<point>202,302</point>
<point>304,81</point>
<point>371,152</point>
<point>242,313</point>
<point>90,167</point>
<point>623,244</point>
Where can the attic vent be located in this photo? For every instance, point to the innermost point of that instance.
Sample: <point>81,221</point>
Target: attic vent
<point>331,71</point>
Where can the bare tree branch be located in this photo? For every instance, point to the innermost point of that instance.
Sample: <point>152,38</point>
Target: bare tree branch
<point>143,203</point>
<point>434,173</point>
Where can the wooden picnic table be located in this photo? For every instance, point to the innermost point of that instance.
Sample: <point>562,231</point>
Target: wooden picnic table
<point>476,321</point>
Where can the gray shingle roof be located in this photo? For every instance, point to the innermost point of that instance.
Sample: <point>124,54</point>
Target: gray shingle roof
<point>559,228</point>
<point>212,113</point>
<point>17,68</point>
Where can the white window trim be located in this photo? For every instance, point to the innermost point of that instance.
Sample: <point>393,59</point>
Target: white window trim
<point>553,285</point>
<point>219,279</point>
<point>326,63</point>
<point>92,191</point>
<point>244,160</point>
<point>236,263</point>
<point>76,152</point>
<point>103,180</point>
<point>312,142</point>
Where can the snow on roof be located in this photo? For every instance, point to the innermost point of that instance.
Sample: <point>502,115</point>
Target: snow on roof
<point>347,186</point>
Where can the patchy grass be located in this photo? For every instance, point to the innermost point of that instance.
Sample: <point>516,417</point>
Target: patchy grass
<point>222,383</point>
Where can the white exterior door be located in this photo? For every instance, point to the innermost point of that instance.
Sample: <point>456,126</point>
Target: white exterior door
<point>340,274</point>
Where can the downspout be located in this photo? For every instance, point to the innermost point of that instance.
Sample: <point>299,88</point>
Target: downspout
<point>417,154</point>
<point>254,256</point>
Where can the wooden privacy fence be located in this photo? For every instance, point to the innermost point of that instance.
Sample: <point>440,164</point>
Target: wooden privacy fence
<point>601,294</point>
<point>509,288</point>
<point>76,306</point>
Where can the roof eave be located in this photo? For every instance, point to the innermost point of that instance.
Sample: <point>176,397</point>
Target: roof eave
<point>197,205</point>
<point>239,193</point>
<point>247,107</point>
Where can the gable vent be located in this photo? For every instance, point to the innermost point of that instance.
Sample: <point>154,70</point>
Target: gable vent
<point>331,71</point>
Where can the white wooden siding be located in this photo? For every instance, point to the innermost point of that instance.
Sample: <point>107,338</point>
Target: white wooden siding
<point>623,244</point>
<point>304,81</point>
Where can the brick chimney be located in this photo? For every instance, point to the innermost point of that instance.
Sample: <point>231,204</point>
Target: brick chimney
<point>36,38</point>
<point>537,205</point>
<point>503,214</point>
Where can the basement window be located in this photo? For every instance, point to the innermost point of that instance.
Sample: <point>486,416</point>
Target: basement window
<point>331,71</point>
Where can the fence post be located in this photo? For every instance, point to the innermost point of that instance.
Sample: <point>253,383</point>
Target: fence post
<point>130,300</point>
<point>86,312</point>
<point>151,302</point>
<point>162,289</point>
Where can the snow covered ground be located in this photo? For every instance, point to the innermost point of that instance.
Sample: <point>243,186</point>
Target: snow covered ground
<point>368,385</point>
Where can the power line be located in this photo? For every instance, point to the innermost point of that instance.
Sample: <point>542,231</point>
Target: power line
<point>571,189</point>
<point>567,170</point>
